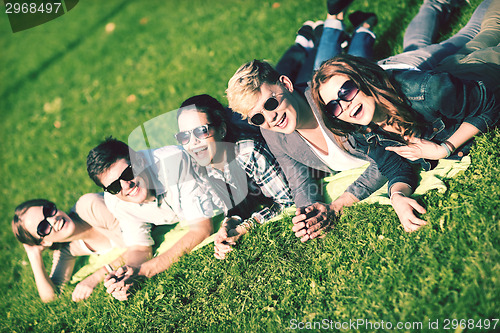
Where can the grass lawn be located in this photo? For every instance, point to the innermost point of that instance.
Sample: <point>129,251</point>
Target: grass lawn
<point>69,83</point>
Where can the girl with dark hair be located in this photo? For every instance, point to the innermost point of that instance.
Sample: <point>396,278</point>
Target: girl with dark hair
<point>422,116</point>
<point>88,229</point>
<point>236,166</point>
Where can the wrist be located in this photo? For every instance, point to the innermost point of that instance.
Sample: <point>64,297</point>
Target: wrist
<point>249,223</point>
<point>448,148</point>
<point>396,194</point>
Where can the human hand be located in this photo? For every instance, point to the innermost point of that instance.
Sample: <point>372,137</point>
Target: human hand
<point>119,282</point>
<point>313,221</point>
<point>33,249</point>
<point>405,209</point>
<point>226,237</point>
<point>420,148</point>
<point>84,289</point>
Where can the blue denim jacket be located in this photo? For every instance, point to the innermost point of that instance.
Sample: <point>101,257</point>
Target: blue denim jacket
<point>444,102</point>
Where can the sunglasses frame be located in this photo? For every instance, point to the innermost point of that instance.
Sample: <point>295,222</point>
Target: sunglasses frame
<point>192,132</point>
<point>124,177</point>
<point>273,96</point>
<point>53,211</point>
<point>341,98</point>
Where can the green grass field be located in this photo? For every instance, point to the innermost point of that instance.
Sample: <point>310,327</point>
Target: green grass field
<point>66,85</point>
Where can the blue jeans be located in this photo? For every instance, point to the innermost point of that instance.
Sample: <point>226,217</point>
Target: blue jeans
<point>419,50</point>
<point>330,44</point>
<point>299,63</point>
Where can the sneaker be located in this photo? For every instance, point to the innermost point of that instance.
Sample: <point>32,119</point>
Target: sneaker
<point>358,18</point>
<point>307,30</point>
<point>336,6</point>
<point>317,31</point>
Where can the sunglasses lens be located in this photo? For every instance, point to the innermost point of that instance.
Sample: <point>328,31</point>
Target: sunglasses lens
<point>114,188</point>
<point>44,228</point>
<point>128,174</point>
<point>49,210</point>
<point>183,137</point>
<point>348,91</point>
<point>201,132</point>
<point>257,119</point>
<point>271,104</point>
<point>333,108</point>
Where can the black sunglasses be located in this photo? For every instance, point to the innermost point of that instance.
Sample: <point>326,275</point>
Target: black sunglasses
<point>201,132</point>
<point>271,104</point>
<point>346,93</point>
<point>44,228</point>
<point>115,187</point>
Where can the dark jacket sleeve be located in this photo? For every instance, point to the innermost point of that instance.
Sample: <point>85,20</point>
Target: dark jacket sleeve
<point>396,168</point>
<point>435,95</point>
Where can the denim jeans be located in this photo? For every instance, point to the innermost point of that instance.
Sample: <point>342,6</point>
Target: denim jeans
<point>298,63</point>
<point>420,53</point>
<point>330,44</point>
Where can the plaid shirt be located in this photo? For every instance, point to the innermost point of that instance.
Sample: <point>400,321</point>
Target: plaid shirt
<point>252,159</point>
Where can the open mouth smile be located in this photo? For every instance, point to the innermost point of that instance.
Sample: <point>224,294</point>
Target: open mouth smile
<point>61,224</point>
<point>357,111</point>
<point>282,122</point>
<point>134,191</point>
<point>199,150</point>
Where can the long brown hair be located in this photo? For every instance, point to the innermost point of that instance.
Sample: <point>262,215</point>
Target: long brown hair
<point>373,81</point>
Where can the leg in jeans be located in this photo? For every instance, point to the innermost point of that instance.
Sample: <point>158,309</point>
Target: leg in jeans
<point>329,44</point>
<point>479,59</point>
<point>292,61</point>
<point>428,57</point>
<point>424,27</point>
<point>362,43</point>
<point>489,35</point>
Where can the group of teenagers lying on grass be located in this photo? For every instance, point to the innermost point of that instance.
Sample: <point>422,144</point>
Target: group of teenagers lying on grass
<point>325,108</point>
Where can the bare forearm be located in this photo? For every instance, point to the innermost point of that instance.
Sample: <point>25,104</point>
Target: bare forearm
<point>181,247</point>
<point>136,255</point>
<point>99,275</point>
<point>403,188</point>
<point>45,286</point>
<point>345,200</point>
<point>463,134</point>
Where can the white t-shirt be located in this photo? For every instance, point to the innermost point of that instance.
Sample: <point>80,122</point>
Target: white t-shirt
<point>337,158</point>
<point>178,197</point>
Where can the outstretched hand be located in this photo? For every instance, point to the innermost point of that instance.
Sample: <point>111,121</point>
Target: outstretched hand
<point>405,208</point>
<point>420,148</point>
<point>227,236</point>
<point>84,289</point>
<point>313,221</point>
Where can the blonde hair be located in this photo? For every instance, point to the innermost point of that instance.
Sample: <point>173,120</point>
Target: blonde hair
<point>243,89</point>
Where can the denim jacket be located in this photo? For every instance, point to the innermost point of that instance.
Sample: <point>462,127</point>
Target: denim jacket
<point>444,102</point>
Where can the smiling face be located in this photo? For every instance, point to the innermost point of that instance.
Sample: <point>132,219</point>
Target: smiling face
<point>134,190</point>
<point>204,151</point>
<point>285,118</point>
<point>63,227</point>
<point>361,110</point>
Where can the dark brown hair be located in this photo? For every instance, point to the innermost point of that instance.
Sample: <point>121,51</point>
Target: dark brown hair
<point>18,227</point>
<point>373,81</point>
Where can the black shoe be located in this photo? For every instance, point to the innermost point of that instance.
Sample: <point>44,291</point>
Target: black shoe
<point>318,31</point>
<point>336,6</point>
<point>306,30</point>
<point>358,17</point>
